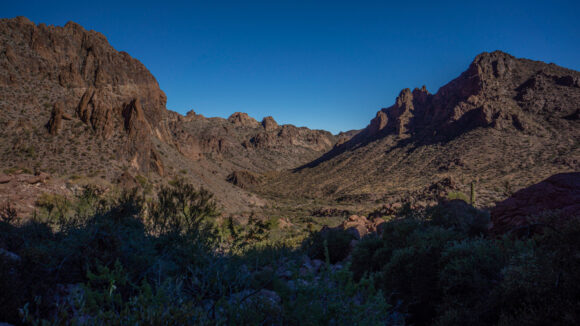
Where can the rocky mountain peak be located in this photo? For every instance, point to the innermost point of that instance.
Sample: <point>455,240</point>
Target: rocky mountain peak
<point>497,90</point>
<point>243,119</point>
<point>269,123</point>
<point>397,119</point>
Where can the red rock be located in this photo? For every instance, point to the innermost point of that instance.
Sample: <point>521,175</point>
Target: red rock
<point>559,192</point>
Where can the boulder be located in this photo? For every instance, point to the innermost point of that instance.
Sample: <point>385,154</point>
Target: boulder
<point>559,193</point>
<point>5,178</point>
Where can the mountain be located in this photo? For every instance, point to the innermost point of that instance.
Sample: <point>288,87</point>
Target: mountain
<point>75,110</point>
<point>505,123</point>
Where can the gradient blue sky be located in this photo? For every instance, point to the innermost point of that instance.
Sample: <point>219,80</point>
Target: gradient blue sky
<point>321,64</point>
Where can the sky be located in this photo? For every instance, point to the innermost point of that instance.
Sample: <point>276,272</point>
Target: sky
<point>321,64</point>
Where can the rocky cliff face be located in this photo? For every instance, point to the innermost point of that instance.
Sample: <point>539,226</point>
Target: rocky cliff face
<point>506,122</point>
<point>85,80</point>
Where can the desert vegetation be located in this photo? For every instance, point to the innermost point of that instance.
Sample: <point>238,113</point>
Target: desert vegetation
<point>124,258</point>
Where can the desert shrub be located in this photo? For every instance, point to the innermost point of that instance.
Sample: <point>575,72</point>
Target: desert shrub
<point>541,280</point>
<point>333,244</point>
<point>131,260</point>
<point>461,216</point>
<point>256,231</point>
<point>11,288</point>
<point>468,266</point>
<point>181,208</point>
<point>97,236</point>
<point>369,256</point>
<point>7,212</point>
<point>411,273</point>
<point>338,300</point>
<point>457,195</point>
<point>372,253</point>
<point>54,208</point>
<point>442,269</point>
<point>470,270</point>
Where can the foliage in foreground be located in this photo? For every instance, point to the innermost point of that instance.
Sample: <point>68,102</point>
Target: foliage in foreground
<point>448,273</point>
<point>100,260</point>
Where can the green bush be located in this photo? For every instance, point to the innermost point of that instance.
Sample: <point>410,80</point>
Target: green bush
<point>458,195</point>
<point>333,244</point>
<point>461,216</point>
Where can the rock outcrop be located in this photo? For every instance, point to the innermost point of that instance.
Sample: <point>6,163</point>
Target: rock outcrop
<point>559,195</point>
<point>360,226</point>
<point>244,179</point>
<point>57,116</point>
<point>243,119</point>
<point>269,124</point>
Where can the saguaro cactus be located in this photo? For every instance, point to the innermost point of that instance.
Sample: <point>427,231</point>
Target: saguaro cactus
<point>472,196</point>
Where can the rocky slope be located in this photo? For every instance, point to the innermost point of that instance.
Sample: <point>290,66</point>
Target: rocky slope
<point>73,106</point>
<point>505,122</point>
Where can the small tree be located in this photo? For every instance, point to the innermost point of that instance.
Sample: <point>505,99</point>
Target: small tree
<point>8,213</point>
<point>472,194</point>
<point>181,208</point>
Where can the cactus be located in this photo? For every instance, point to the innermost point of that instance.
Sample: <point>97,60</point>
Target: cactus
<point>472,196</point>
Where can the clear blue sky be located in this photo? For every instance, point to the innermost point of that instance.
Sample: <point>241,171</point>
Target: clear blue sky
<point>322,64</point>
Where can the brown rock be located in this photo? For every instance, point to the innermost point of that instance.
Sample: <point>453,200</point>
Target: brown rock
<point>269,124</point>
<point>560,192</point>
<point>81,69</point>
<point>127,181</point>
<point>359,226</point>
<point>244,179</point>
<point>243,119</point>
<point>54,125</point>
<point>378,123</point>
<point>40,178</point>
<point>5,178</point>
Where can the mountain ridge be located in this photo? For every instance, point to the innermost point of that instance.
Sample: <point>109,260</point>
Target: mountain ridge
<point>75,107</point>
<point>517,103</point>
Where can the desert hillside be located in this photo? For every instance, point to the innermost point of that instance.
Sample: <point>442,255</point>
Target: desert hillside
<point>505,123</point>
<point>78,111</point>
